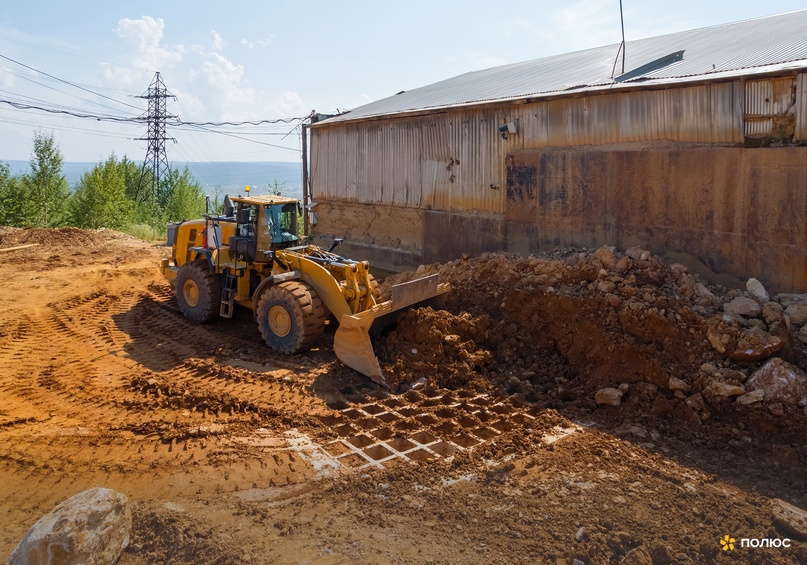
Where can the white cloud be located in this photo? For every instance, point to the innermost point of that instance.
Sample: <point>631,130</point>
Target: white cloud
<point>288,104</point>
<point>218,41</point>
<point>252,43</point>
<point>147,53</point>
<point>587,23</point>
<point>221,72</point>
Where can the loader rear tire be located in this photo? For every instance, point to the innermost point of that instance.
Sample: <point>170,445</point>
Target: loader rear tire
<point>291,317</point>
<point>198,292</point>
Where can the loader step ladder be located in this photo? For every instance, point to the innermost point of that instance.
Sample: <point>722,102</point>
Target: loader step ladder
<point>228,292</point>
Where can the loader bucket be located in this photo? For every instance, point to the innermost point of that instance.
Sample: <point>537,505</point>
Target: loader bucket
<point>352,344</point>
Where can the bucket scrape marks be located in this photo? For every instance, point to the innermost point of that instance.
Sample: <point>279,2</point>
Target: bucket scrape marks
<point>418,426</point>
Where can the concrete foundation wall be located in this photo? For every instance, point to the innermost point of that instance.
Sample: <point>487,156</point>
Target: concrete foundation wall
<point>735,210</point>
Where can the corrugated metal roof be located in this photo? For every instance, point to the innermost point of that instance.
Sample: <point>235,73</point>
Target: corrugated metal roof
<point>743,48</point>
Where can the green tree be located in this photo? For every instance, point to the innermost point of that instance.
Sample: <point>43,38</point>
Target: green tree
<point>181,196</point>
<point>100,199</point>
<point>277,187</point>
<point>46,187</point>
<point>12,198</point>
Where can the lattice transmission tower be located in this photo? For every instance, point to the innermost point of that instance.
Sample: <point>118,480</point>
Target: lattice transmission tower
<point>155,165</point>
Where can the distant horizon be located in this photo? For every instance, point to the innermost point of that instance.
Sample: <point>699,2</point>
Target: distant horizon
<point>214,176</point>
<point>27,162</point>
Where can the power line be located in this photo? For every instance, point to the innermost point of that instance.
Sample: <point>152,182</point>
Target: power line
<point>96,117</point>
<point>68,82</point>
<point>242,138</point>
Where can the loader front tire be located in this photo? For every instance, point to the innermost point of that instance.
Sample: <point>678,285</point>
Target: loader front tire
<point>198,292</point>
<point>291,317</point>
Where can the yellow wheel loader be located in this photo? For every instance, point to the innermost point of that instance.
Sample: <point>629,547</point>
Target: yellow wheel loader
<point>251,256</point>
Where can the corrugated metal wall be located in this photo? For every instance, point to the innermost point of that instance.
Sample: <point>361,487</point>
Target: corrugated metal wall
<point>765,101</point>
<point>455,160</point>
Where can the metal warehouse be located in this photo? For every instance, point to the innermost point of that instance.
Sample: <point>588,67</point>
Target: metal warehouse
<point>697,150</point>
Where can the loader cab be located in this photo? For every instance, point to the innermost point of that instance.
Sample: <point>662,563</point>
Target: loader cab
<point>263,223</point>
<point>281,222</point>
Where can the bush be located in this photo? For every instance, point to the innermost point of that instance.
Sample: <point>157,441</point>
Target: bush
<point>145,232</point>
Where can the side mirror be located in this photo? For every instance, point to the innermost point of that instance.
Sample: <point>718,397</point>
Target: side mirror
<point>229,209</point>
<point>337,241</point>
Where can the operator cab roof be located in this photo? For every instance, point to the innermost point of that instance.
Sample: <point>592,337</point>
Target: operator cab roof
<point>264,199</point>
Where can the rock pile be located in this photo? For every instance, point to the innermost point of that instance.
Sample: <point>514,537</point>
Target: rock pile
<point>605,330</point>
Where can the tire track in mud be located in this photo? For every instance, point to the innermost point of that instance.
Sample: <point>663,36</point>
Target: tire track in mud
<point>115,381</point>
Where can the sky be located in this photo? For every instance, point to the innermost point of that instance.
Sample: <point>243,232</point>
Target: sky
<point>242,61</point>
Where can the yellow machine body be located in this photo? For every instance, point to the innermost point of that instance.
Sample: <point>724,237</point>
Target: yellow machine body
<point>251,256</point>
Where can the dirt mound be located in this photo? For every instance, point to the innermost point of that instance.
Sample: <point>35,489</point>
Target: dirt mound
<point>232,453</point>
<point>555,330</point>
<point>73,237</point>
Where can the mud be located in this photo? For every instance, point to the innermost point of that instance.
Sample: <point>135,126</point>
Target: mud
<point>489,449</point>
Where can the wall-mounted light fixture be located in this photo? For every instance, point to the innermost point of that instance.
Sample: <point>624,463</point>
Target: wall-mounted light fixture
<point>508,129</point>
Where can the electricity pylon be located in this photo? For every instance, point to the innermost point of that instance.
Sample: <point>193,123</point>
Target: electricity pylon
<point>155,164</point>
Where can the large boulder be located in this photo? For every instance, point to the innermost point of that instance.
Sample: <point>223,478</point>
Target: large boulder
<point>755,344</point>
<point>743,306</point>
<point>90,528</point>
<point>791,519</point>
<point>780,381</point>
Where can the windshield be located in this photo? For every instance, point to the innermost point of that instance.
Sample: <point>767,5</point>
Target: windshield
<point>282,220</point>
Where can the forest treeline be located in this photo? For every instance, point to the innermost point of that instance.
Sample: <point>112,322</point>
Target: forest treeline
<point>113,194</point>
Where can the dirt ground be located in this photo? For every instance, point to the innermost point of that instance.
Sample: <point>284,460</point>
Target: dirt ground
<point>490,448</point>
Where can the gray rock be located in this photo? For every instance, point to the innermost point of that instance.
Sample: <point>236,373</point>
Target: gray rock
<point>629,429</point>
<point>780,381</point>
<point>786,299</point>
<point>701,290</point>
<point>757,323</point>
<point>675,384</point>
<point>695,401</point>
<point>609,396</point>
<point>743,306</point>
<point>791,519</point>
<point>803,334</point>
<point>638,254</point>
<point>755,287</point>
<point>797,314</point>
<point>708,368</point>
<point>606,286</point>
<point>718,388</point>
<point>751,397</point>
<point>90,528</point>
<point>732,375</point>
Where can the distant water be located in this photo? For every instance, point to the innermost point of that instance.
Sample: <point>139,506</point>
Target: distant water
<point>216,177</point>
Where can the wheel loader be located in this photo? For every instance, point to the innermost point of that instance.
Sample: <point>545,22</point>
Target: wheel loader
<point>251,256</point>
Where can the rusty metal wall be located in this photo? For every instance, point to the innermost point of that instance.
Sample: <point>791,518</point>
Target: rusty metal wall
<point>455,160</point>
<point>765,101</point>
<point>801,107</point>
<point>735,210</point>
